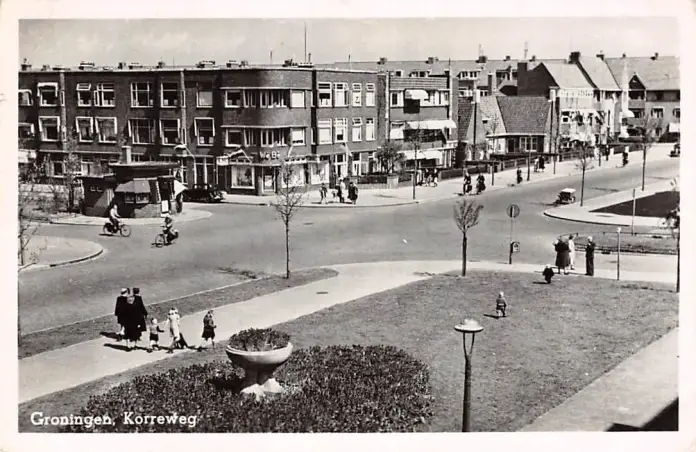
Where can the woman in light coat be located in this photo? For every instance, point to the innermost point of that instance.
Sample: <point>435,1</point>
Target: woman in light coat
<point>173,318</point>
<point>571,249</point>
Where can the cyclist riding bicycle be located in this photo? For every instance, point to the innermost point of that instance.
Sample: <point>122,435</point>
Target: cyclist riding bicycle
<point>114,217</point>
<point>167,229</point>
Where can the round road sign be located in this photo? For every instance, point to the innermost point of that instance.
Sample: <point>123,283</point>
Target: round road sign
<point>515,247</point>
<point>513,210</point>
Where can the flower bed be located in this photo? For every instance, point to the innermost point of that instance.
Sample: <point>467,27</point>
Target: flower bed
<point>259,340</point>
<point>333,389</point>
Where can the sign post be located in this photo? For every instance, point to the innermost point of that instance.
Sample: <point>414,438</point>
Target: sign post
<point>633,216</point>
<point>513,210</point>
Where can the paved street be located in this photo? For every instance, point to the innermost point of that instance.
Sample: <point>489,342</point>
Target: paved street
<point>251,237</point>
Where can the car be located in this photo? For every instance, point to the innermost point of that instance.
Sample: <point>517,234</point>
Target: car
<point>203,193</point>
<point>676,151</point>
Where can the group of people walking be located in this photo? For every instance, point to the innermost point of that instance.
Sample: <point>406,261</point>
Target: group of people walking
<point>343,190</point>
<point>565,255</point>
<point>480,183</point>
<point>132,318</point>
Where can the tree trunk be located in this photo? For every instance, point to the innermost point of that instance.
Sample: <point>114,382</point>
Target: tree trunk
<point>678,259</point>
<point>582,186</point>
<point>464,240</point>
<point>287,250</point>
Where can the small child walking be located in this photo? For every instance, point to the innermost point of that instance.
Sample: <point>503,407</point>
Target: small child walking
<point>548,274</point>
<point>208,330</point>
<point>155,330</point>
<point>500,305</point>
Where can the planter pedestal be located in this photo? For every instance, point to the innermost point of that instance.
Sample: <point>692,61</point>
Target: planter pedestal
<point>258,369</point>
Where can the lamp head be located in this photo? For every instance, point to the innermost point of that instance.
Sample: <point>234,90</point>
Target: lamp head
<point>469,326</point>
<point>618,229</point>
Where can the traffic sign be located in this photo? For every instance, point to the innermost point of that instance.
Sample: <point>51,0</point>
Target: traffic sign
<point>513,210</point>
<point>515,247</point>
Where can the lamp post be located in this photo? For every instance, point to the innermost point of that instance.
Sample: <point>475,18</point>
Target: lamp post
<point>618,254</point>
<point>469,326</point>
<point>529,157</point>
<point>552,98</point>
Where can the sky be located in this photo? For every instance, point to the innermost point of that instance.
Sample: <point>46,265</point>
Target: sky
<point>187,41</point>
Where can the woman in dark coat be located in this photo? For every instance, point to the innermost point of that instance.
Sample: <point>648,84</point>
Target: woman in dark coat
<point>589,257</point>
<point>562,256</point>
<point>120,301</point>
<point>133,317</point>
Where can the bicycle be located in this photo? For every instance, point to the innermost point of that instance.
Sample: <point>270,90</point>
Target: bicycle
<point>161,239</point>
<point>122,229</point>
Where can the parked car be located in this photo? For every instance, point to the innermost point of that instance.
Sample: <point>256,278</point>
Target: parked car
<point>203,193</point>
<point>676,151</point>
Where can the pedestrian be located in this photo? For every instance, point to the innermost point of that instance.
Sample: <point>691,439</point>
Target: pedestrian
<point>562,256</point>
<point>435,177</point>
<point>429,179</point>
<point>571,251</point>
<point>500,305</point>
<point>138,301</point>
<point>173,326</point>
<point>208,330</point>
<point>133,322</point>
<point>589,257</point>
<point>155,330</point>
<point>536,165</point>
<point>542,163</point>
<point>353,193</point>
<point>342,191</point>
<point>519,176</point>
<point>120,301</point>
<point>548,274</point>
<point>323,191</point>
<point>480,184</point>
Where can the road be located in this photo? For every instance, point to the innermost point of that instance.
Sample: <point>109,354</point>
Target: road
<point>251,237</point>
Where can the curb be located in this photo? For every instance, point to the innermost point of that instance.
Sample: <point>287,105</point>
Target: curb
<point>103,220</point>
<point>79,259</point>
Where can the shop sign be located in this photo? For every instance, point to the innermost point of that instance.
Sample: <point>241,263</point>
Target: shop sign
<point>222,160</point>
<point>270,155</point>
<point>576,92</point>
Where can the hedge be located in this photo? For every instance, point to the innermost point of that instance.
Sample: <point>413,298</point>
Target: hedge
<point>349,389</point>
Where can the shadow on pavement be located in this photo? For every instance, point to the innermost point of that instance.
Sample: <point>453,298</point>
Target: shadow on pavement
<point>666,421</point>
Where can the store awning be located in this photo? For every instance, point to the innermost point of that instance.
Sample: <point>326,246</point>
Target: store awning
<point>673,127</point>
<point>628,114</point>
<point>429,154</point>
<point>396,133</point>
<point>134,186</point>
<point>416,94</point>
<point>432,124</point>
<point>179,187</point>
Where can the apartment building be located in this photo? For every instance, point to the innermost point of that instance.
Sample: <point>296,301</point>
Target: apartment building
<point>226,125</point>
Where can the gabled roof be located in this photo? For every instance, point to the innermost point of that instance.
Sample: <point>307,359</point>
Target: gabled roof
<point>599,74</point>
<point>491,111</point>
<point>465,125</point>
<point>524,114</point>
<point>567,75</point>
<point>657,74</point>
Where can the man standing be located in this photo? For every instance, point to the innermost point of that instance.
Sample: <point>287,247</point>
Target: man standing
<point>118,312</point>
<point>589,257</point>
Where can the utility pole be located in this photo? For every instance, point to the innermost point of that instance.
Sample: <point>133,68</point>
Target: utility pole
<point>305,42</point>
<point>475,103</point>
<point>529,157</point>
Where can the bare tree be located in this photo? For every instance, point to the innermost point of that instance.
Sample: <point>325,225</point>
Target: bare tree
<point>649,137</point>
<point>466,215</point>
<point>389,155</point>
<point>672,221</point>
<point>290,197</point>
<point>584,162</point>
<point>28,199</point>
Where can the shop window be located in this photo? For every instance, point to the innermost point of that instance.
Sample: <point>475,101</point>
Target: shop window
<point>242,176</point>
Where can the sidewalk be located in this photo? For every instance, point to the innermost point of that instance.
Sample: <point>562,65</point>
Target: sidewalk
<point>449,188</point>
<point>190,213</point>
<point>584,214</point>
<point>72,366</point>
<point>57,251</point>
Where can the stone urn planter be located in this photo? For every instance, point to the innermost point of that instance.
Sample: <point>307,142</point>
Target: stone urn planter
<point>392,181</point>
<point>259,367</point>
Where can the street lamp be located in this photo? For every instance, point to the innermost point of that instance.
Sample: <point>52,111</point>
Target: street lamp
<point>469,326</point>
<point>618,253</point>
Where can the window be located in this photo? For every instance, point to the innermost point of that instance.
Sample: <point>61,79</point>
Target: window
<point>170,132</point>
<point>169,95</point>
<point>357,94</point>
<point>251,98</point>
<point>444,97</point>
<point>340,94</point>
<point>85,128</point>
<point>340,130</point>
<point>141,94</point>
<point>565,117</point>
<point>25,98</point>
<point>205,131</point>
<point>204,96</point>
<point>324,131</point>
<point>369,94</point>
<point>432,99</point>
<point>297,99</point>
<point>233,98</point>
<point>49,128</point>
<point>676,113</point>
<point>233,137</point>
<point>397,99</point>
<point>142,131</point>
<point>357,130</point>
<point>251,137</point>
<point>58,168</point>
<point>637,112</point>
<point>25,131</point>
<point>659,95</point>
<point>273,137</point>
<point>241,176</point>
<point>369,129</point>
<point>657,112</point>
<point>48,94</point>
<point>658,131</point>
<point>105,95</point>
<point>273,98</point>
<point>529,143</point>
<point>106,130</point>
<point>84,94</point>
<point>325,99</point>
<point>298,137</point>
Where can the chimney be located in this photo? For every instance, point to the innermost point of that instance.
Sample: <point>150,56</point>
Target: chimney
<point>491,84</point>
<point>25,65</point>
<point>161,64</point>
<point>134,65</point>
<point>655,57</point>
<point>574,57</point>
<point>125,154</point>
<point>46,67</point>
<point>244,63</point>
<point>507,57</point>
<point>482,59</point>
<point>231,63</point>
<point>533,59</point>
<point>382,60</point>
<point>309,57</point>
<point>122,65</point>
<point>86,64</point>
<point>432,60</point>
<point>600,55</point>
<point>623,55</point>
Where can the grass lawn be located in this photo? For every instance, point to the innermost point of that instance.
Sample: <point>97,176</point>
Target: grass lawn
<point>657,205</point>
<point>639,243</point>
<point>64,336</point>
<point>557,339</point>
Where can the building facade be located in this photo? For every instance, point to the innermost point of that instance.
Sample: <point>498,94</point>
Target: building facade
<point>228,125</point>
